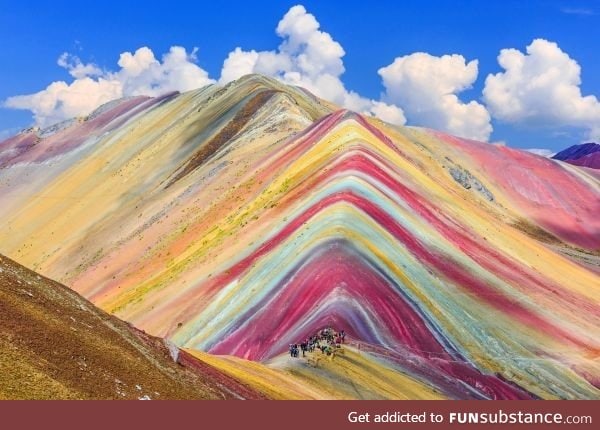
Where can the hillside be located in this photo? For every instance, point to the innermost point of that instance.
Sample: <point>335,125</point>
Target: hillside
<point>56,345</point>
<point>236,220</point>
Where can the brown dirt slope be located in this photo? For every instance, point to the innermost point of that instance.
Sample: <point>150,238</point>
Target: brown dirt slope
<point>54,344</point>
<point>232,128</point>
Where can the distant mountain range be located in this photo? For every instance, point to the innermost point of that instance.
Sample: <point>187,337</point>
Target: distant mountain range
<point>586,155</point>
<point>235,220</point>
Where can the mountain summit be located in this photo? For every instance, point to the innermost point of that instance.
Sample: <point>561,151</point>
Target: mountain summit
<point>586,155</point>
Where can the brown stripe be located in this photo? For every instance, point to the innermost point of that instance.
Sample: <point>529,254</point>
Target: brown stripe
<point>232,128</point>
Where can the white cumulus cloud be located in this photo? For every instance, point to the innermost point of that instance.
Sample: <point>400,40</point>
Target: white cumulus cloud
<point>60,100</point>
<point>541,151</point>
<point>140,73</point>
<point>426,87</point>
<point>76,68</point>
<point>541,87</point>
<point>310,58</point>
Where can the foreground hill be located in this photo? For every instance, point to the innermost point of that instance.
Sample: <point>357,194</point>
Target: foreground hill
<point>236,220</point>
<point>56,345</point>
<point>354,374</point>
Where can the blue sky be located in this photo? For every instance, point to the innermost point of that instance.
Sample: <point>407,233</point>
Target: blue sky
<point>372,34</point>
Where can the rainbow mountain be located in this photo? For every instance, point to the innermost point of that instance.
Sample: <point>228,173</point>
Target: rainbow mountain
<point>234,220</point>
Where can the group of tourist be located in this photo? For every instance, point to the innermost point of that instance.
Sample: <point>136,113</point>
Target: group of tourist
<point>325,340</point>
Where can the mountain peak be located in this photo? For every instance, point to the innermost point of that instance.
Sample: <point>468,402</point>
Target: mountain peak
<point>258,78</point>
<point>585,154</point>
